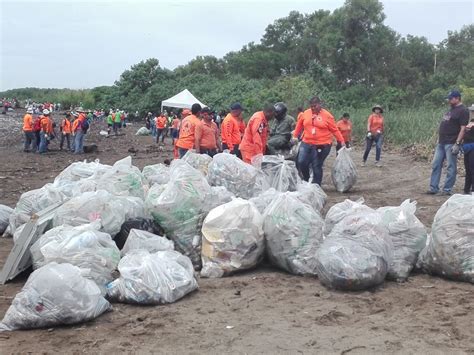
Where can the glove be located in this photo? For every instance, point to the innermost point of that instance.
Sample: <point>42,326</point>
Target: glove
<point>378,132</point>
<point>455,149</point>
<point>294,141</point>
<point>369,135</point>
<point>46,136</point>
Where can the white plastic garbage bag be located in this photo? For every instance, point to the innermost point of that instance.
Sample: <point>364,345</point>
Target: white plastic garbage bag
<point>264,200</point>
<point>342,209</point>
<point>450,249</point>
<point>357,253</point>
<point>143,131</point>
<point>229,171</point>
<point>80,170</point>
<point>181,208</point>
<point>408,236</point>
<point>198,161</point>
<point>89,207</point>
<point>232,238</point>
<point>55,294</point>
<point>139,239</point>
<point>281,174</point>
<point>293,234</point>
<point>156,174</point>
<point>311,194</point>
<point>153,278</point>
<point>344,172</point>
<point>5,213</point>
<point>219,195</point>
<point>82,246</point>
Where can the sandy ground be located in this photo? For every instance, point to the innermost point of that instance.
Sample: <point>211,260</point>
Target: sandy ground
<point>264,310</point>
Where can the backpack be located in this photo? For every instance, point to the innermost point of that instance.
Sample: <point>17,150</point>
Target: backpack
<point>85,126</point>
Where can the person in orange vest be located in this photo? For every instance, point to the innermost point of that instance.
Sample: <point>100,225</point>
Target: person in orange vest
<point>161,122</point>
<point>255,137</point>
<point>345,127</point>
<point>28,129</point>
<point>66,130</point>
<point>206,134</point>
<point>78,131</point>
<point>46,131</point>
<point>185,113</point>
<point>175,128</point>
<point>375,128</point>
<point>231,134</point>
<point>187,131</point>
<point>318,127</point>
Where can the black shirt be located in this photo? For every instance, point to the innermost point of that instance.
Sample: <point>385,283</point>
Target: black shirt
<point>451,124</point>
<point>469,135</point>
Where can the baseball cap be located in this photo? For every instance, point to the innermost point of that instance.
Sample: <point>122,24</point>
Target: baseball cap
<point>453,93</point>
<point>236,106</point>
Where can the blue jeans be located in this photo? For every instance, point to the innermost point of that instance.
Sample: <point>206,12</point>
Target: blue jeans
<point>153,129</point>
<point>378,147</point>
<point>43,146</point>
<point>313,155</point>
<point>442,153</point>
<point>79,143</point>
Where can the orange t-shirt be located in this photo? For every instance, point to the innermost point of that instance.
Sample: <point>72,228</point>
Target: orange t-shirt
<point>161,122</point>
<point>176,123</point>
<point>206,134</point>
<point>345,128</point>
<point>318,128</point>
<point>375,123</point>
<point>28,123</point>
<point>255,137</point>
<point>66,126</point>
<point>186,133</point>
<point>46,125</point>
<point>230,131</point>
<point>242,126</point>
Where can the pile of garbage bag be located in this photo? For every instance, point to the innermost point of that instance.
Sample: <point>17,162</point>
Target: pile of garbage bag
<point>55,294</point>
<point>198,161</point>
<point>232,238</point>
<point>5,213</point>
<point>143,131</point>
<point>293,233</point>
<point>229,171</point>
<point>181,208</point>
<point>140,239</point>
<point>408,237</point>
<point>342,209</point>
<point>156,174</point>
<point>152,278</point>
<point>344,172</point>
<point>281,174</point>
<point>450,249</point>
<point>83,246</point>
<point>356,255</point>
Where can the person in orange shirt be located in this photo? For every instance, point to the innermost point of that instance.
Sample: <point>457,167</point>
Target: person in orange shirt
<point>161,121</point>
<point>231,133</point>
<point>187,137</point>
<point>66,130</point>
<point>45,131</point>
<point>375,129</point>
<point>28,129</point>
<point>255,137</point>
<point>207,134</point>
<point>345,127</point>
<point>318,127</point>
<point>78,131</point>
<point>175,129</point>
<point>185,113</point>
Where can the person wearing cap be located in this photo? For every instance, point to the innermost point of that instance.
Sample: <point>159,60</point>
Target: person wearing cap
<point>318,127</point>
<point>450,136</point>
<point>45,131</point>
<point>280,130</point>
<point>28,129</point>
<point>187,139</point>
<point>78,132</point>
<point>110,122</point>
<point>207,134</point>
<point>161,122</point>
<point>345,127</point>
<point>231,134</point>
<point>66,130</point>
<point>254,142</point>
<point>375,129</point>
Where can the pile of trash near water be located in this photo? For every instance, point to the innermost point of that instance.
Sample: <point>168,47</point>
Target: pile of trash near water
<point>121,234</point>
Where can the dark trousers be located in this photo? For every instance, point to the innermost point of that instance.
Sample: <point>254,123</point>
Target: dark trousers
<point>235,151</point>
<point>314,156</point>
<point>67,137</point>
<point>469,165</point>
<point>29,140</point>
<point>378,140</point>
<point>160,133</point>
<point>182,152</point>
<point>210,152</point>
<point>37,140</point>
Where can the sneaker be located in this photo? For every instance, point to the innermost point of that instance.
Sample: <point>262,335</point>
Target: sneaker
<point>445,193</point>
<point>431,192</point>
<point>378,164</point>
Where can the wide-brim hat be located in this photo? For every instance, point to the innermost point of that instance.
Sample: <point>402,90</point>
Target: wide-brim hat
<point>80,109</point>
<point>377,106</point>
<point>30,110</point>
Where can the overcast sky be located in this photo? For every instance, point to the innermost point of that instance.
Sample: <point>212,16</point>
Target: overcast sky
<point>82,44</point>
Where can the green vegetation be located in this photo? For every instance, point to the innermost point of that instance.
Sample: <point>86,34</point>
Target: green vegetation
<point>348,57</point>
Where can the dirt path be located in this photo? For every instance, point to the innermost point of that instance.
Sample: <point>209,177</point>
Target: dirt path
<point>263,311</point>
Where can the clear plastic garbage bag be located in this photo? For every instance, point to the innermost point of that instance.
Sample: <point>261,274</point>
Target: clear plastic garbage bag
<point>357,253</point>
<point>264,200</point>
<point>80,170</point>
<point>143,131</point>
<point>140,239</point>
<point>153,278</point>
<point>311,194</point>
<point>281,174</point>
<point>232,238</point>
<point>342,209</point>
<point>408,236</point>
<point>156,174</point>
<point>5,213</point>
<point>344,172</point>
<point>82,246</point>
<point>450,248</point>
<point>219,195</point>
<point>198,161</point>
<point>293,233</point>
<point>53,295</point>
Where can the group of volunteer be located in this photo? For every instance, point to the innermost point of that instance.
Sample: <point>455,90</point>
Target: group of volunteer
<point>163,125</point>
<point>40,130</point>
<point>116,121</point>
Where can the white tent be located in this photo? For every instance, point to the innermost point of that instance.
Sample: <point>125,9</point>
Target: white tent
<point>182,100</point>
